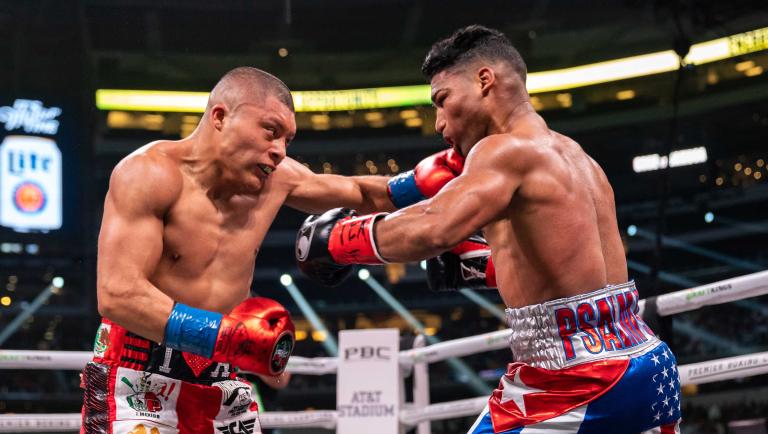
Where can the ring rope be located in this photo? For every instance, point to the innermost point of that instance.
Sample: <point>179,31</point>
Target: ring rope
<point>729,368</point>
<point>75,360</point>
<point>724,291</point>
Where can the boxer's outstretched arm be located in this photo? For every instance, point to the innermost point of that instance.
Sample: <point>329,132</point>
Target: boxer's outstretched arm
<point>492,173</point>
<point>142,188</point>
<point>314,193</point>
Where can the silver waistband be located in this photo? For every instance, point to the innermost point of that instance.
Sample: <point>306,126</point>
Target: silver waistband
<point>587,327</point>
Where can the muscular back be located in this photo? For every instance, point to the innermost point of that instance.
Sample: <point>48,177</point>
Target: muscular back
<point>558,237</point>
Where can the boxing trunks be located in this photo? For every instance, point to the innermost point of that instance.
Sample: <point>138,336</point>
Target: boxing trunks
<point>586,364</point>
<point>135,386</point>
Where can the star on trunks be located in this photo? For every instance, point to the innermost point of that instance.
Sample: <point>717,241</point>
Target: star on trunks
<point>655,359</point>
<point>516,391</point>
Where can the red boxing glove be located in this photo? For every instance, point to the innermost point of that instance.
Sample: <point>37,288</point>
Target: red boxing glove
<point>433,172</point>
<point>352,241</point>
<point>257,336</point>
<point>327,245</point>
<point>426,179</point>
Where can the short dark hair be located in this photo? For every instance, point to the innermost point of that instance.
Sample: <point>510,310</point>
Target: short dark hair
<point>246,78</point>
<point>471,43</point>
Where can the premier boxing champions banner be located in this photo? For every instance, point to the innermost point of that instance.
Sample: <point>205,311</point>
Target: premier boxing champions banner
<point>368,382</point>
<point>30,167</point>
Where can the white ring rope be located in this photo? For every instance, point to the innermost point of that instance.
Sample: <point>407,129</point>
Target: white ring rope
<point>729,368</point>
<point>56,422</point>
<point>62,422</point>
<point>724,291</point>
<point>696,373</point>
<point>75,360</point>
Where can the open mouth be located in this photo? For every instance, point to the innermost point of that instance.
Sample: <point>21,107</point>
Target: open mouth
<point>266,169</point>
<point>450,142</point>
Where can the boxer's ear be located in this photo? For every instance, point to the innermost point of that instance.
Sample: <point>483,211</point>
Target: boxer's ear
<point>218,113</point>
<point>486,78</point>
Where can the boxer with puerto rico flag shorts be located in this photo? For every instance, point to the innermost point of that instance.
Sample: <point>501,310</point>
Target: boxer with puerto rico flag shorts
<point>584,361</point>
<point>585,364</point>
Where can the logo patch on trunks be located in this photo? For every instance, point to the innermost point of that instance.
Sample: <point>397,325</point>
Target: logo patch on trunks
<point>238,427</point>
<point>101,342</point>
<point>144,427</point>
<point>145,395</point>
<point>141,429</point>
<point>235,397</point>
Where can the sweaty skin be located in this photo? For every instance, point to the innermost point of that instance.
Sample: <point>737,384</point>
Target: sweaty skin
<point>183,220</point>
<point>545,207</point>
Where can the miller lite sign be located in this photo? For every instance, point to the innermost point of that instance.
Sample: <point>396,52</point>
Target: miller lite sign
<point>30,184</point>
<point>31,116</point>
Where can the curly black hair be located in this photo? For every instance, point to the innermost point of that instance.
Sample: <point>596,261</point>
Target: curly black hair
<point>471,43</point>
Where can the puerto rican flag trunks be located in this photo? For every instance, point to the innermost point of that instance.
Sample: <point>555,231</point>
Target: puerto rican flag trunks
<point>586,364</point>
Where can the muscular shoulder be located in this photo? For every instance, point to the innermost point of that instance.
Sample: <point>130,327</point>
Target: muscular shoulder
<point>290,174</point>
<point>505,152</point>
<point>146,179</point>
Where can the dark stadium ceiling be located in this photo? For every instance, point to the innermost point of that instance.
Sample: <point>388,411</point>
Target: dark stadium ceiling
<point>187,44</point>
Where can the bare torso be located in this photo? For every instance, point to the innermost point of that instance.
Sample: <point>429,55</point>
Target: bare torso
<point>181,224</point>
<point>210,245</point>
<point>558,237</point>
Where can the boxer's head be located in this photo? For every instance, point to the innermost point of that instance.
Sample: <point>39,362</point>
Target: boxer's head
<point>251,117</point>
<point>473,73</point>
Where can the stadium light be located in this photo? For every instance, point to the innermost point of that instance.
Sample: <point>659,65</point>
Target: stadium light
<point>406,96</point>
<point>679,158</point>
<point>286,280</point>
<point>363,274</point>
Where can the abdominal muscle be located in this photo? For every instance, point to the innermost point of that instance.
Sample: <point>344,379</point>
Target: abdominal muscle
<point>209,254</point>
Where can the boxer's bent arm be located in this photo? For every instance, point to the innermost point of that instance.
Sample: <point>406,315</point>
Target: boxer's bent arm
<point>314,193</point>
<point>141,190</point>
<point>492,174</point>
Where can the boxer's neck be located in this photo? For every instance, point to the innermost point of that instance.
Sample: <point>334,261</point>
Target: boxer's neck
<point>519,112</point>
<point>200,159</point>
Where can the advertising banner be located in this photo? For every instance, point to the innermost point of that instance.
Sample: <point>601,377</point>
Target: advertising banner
<point>368,380</point>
